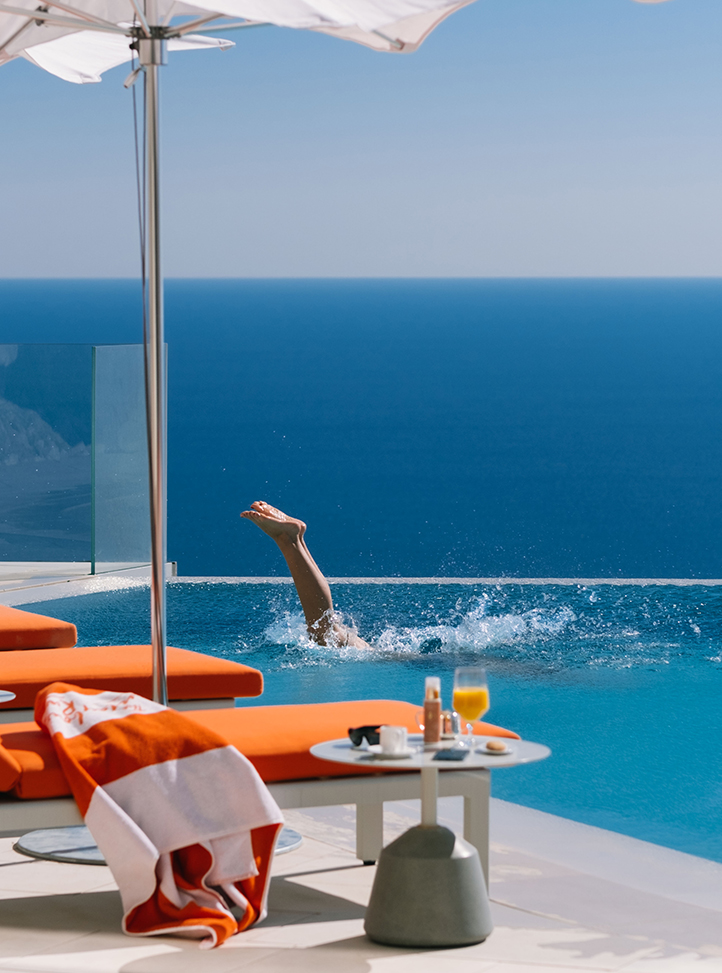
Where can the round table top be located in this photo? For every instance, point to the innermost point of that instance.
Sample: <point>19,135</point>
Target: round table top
<point>519,752</point>
<point>6,695</point>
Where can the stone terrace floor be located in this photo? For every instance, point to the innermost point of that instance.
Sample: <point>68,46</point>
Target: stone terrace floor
<point>565,897</point>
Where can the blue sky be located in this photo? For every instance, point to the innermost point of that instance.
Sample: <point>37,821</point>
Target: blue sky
<point>525,138</point>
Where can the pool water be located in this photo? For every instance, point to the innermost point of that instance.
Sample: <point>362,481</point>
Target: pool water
<point>623,682</point>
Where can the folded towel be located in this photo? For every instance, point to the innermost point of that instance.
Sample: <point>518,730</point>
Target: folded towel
<point>184,821</point>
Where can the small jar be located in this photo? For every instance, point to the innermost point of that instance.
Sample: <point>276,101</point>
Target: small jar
<point>450,724</point>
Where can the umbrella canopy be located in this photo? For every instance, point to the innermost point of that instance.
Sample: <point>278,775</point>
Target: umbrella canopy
<point>47,33</point>
<point>78,40</point>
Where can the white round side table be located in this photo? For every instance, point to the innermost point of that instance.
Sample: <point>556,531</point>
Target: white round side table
<point>429,889</point>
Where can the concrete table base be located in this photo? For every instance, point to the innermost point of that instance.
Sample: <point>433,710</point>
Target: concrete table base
<point>429,891</point>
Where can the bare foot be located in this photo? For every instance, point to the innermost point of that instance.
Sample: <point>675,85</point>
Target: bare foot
<point>274,522</point>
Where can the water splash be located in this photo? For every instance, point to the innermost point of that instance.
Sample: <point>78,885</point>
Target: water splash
<point>477,630</point>
<point>550,629</point>
<point>474,631</point>
<point>516,628</point>
<point>288,629</point>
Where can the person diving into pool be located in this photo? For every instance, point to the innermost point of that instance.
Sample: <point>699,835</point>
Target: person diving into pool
<point>323,625</point>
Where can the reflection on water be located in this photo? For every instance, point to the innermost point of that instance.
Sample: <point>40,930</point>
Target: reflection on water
<point>45,463</point>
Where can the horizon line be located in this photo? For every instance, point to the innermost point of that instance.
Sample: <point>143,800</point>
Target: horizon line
<point>583,582</point>
<point>388,277</point>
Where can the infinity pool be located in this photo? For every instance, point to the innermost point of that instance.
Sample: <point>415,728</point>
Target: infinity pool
<point>624,682</point>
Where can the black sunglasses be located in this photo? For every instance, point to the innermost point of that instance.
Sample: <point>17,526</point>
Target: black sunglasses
<point>357,734</point>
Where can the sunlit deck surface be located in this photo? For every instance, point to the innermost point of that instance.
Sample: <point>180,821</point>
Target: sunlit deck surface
<point>26,582</point>
<point>565,897</point>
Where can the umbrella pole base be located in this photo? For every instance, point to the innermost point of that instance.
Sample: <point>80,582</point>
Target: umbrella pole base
<point>75,845</point>
<point>429,891</point>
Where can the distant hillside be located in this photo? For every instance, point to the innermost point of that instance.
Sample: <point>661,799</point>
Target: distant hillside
<point>25,436</point>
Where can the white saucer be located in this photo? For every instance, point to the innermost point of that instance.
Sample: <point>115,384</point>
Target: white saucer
<point>376,750</point>
<point>495,753</point>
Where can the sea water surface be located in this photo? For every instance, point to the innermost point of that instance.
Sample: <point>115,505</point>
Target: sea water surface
<point>533,428</point>
<point>623,682</point>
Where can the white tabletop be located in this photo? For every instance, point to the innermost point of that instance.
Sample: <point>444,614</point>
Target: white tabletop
<point>520,752</point>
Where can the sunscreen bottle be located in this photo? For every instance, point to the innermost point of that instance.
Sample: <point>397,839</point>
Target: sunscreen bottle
<point>432,710</point>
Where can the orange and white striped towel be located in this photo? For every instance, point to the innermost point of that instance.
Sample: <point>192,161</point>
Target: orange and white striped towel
<point>184,821</point>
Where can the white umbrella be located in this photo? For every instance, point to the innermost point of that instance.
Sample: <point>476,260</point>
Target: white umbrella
<point>78,40</point>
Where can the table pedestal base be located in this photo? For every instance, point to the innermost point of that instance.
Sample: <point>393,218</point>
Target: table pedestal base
<point>429,890</point>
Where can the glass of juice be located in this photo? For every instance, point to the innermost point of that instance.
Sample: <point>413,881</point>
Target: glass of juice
<point>471,697</point>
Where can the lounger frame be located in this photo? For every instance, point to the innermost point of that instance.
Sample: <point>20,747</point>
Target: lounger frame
<point>368,793</point>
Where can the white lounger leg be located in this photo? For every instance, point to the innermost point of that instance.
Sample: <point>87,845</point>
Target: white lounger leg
<point>369,832</point>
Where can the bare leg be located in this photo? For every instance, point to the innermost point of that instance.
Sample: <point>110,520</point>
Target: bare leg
<point>313,590</point>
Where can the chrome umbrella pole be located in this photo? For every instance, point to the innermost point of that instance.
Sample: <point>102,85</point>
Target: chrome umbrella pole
<point>151,55</point>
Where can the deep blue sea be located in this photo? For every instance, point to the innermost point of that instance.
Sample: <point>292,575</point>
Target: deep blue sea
<point>537,428</point>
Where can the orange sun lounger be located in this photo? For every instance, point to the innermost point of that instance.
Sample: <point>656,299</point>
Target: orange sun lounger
<point>276,740</point>
<point>26,630</point>
<point>36,650</point>
<point>124,668</point>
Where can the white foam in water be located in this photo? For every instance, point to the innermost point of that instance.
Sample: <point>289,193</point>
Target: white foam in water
<point>553,629</point>
<point>554,636</point>
<point>476,630</point>
<point>289,629</point>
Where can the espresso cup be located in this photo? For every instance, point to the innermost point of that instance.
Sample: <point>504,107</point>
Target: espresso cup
<point>393,739</point>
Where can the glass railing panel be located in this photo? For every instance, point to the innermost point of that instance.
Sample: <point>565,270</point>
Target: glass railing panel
<point>73,458</point>
<point>45,454</point>
<point>120,517</point>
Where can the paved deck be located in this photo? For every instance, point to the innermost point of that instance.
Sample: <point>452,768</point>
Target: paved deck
<point>565,898</point>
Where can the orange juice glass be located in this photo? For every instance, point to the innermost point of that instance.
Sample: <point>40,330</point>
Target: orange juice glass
<point>471,697</point>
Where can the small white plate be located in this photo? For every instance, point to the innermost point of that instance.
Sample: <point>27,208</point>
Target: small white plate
<point>376,750</point>
<point>495,753</point>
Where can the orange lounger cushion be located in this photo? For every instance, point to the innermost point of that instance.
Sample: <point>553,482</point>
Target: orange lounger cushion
<point>25,630</point>
<point>28,763</point>
<point>125,668</point>
<point>276,739</point>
